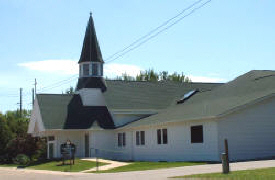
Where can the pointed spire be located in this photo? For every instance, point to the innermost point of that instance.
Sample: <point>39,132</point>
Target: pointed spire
<point>90,49</point>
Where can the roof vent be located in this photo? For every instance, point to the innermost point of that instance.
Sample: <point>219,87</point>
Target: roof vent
<point>187,96</point>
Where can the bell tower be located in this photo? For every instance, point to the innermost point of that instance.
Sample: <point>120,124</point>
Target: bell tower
<point>91,62</point>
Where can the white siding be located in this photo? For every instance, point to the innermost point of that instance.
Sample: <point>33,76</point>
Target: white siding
<point>76,137</point>
<point>179,147</point>
<point>103,140</point>
<point>124,153</point>
<point>35,125</point>
<point>92,97</point>
<point>250,132</point>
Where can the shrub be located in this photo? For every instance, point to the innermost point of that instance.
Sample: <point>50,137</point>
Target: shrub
<point>4,159</point>
<point>22,159</point>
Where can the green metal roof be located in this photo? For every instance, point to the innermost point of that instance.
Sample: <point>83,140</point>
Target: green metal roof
<point>244,90</point>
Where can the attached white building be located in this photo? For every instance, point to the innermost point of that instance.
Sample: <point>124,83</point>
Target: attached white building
<point>158,121</point>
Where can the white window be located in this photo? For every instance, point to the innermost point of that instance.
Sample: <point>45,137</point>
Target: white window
<point>140,138</point>
<point>95,69</point>
<point>121,139</point>
<point>85,70</point>
<point>162,136</point>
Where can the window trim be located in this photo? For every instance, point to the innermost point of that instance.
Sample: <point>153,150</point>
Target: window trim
<point>194,139</point>
<point>83,69</point>
<point>121,139</point>
<point>140,138</point>
<point>51,138</point>
<point>162,136</point>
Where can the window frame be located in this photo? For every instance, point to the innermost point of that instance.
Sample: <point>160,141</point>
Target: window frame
<point>196,133</point>
<point>121,139</point>
<point>140,138</point>
<point>51,138</point>
<point>87,70</point>
<point>95,69</point>
<point>162,136</point>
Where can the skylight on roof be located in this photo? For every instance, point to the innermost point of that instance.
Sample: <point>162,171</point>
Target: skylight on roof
<point>186,96</point>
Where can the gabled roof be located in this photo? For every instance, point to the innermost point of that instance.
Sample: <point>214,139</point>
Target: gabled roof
<point>138,95</point>
<point>244,90</point>
<point>90,49</point>
<point>58,111</point>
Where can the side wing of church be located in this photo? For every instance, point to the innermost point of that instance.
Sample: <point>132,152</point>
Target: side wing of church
<point>157,121</point>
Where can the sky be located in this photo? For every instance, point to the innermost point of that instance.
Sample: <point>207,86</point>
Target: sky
<point>216,43</point>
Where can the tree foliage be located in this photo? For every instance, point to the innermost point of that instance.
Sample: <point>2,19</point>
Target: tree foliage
<point>14,139</point>
<point>153,76</point>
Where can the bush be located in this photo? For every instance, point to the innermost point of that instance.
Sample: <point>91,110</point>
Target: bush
<point>22,159</point>
<point>4,159</point>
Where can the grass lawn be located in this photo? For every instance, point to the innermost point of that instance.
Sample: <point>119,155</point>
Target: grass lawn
<point>141,166</point>
<point>80,165</point>
<point>8,165</point>
<point>266,173</point>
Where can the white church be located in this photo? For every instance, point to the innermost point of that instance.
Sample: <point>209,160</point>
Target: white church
<point>157,121</point>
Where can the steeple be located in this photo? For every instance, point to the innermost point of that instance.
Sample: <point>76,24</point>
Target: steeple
<point>91,62</point>
<point>90,49</point>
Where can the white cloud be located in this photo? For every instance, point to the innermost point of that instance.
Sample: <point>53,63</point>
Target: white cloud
<point>206,79</point>
<point>53,66</point>
<point>70,67</point>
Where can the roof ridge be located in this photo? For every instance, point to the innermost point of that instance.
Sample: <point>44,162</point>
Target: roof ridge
<point>56,94</point>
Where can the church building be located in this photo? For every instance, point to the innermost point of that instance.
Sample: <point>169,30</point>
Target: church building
<point>157,121</point>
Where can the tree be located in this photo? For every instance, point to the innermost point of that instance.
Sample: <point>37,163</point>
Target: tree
<point>70,90</point>
<point>6,134</point>
<point>151,75</point>
<point>14,139</point>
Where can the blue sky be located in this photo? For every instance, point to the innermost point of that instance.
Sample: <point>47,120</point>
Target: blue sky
<point>43,40</point>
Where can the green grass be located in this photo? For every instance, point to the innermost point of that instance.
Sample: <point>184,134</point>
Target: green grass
<point>266,173</point>
<point>141,166</point>
<point>8,165</point>
<point>80,165</point>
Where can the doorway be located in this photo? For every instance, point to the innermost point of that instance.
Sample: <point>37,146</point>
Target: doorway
<point>87,145</point>
<point>51,150</point>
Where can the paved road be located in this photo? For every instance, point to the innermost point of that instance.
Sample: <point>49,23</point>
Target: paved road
<point>12,174</point>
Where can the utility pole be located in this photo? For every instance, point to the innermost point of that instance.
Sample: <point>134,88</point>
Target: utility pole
<point>35,83</point>
<point>32,97</point>
<point>21,90</point>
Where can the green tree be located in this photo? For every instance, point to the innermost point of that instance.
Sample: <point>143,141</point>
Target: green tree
<point>70,90</point>
<point>5,134</point>
<point>14,139</point>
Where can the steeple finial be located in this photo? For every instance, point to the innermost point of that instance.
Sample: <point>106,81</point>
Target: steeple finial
<point>90,13</point>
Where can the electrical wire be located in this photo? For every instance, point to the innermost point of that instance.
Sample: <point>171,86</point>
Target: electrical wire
<point>157,33</point>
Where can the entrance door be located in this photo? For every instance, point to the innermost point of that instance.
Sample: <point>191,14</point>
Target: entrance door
<point>51,149</point>
<point>87,146</point>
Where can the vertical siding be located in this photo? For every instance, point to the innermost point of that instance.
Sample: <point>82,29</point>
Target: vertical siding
<point>76,137</point>
<point>179,147</point>
<point>103,140</point>
<point>92,97</point>
<point>250,132</point>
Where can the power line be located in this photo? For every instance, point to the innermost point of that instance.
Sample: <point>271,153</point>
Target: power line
<point>147,37</point>
<point>152,31</point>
<point>59,83</point>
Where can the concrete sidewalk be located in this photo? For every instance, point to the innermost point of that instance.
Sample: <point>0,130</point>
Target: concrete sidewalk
<point>111,164</point>
<point>11,174</point>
